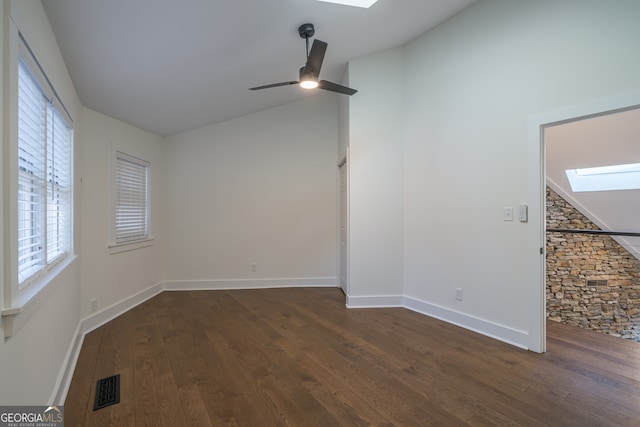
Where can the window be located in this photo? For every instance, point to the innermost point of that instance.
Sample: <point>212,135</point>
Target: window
<point>44,180</point>
<point>605,178</point>
<point>131,200</point>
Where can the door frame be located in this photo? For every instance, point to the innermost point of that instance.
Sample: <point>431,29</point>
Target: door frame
<point>343,163</point>
<point>536,247</point>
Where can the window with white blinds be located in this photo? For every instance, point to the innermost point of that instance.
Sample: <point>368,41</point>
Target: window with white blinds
<point>131,199</point>
<point>44,180</point>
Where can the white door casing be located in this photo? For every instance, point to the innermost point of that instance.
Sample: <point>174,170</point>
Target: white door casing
<point>344,229</point>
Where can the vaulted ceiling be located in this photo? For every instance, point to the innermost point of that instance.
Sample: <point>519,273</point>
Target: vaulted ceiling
<point>167,66</point>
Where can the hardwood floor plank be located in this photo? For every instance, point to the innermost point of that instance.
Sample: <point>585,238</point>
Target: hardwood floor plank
<point>147,344</point>
<point>169,408</point>
<point>145,397</point>
<point>275,357</point>
<point>195,410</point>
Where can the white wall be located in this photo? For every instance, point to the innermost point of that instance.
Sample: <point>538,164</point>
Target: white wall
<point>112,278</point>
<point>31,360</point>
<point>472,85</point>
<point>375,138</point>
<point>258,189</point>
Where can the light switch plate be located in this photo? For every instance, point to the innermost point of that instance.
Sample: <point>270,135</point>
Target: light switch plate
<point>523,214</point>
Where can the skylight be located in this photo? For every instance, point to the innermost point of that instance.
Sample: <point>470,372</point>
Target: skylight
<point>605,178</point>
<point>356,3</point>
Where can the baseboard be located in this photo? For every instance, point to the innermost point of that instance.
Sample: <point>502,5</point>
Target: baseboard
<point>375,301</point>
<point>101,317</point>
<point>500,332</point>
<point>64,378</point>
<point>229,284</point>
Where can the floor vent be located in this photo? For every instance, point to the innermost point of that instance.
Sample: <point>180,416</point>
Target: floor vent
<point>107,392</point>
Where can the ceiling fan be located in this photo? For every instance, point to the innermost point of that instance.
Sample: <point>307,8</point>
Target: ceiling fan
<point>310,72</point>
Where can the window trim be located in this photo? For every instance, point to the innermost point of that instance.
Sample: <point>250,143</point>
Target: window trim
<point>45,189</point>
<point>114,245</point>
<point>20,303</point>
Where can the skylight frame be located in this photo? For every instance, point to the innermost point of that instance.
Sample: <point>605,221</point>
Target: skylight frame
<point>605,178</point>
<point>355,3</point>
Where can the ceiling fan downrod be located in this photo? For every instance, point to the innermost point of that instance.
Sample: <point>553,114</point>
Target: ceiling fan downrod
<point>306,31</point>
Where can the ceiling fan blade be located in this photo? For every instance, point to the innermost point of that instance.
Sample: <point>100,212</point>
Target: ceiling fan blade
<point>316,56</point>
<point>334,87</point>
<point>273,85</point>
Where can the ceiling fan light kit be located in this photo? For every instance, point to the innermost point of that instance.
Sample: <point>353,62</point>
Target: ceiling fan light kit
<point>308,84</point>
<point>307,80</point>
<point>310,72</point>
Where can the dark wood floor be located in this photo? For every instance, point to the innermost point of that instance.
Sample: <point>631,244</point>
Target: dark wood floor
<point>298,357</point>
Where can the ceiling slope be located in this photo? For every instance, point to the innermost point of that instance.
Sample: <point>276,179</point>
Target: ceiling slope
<point>168,66</point>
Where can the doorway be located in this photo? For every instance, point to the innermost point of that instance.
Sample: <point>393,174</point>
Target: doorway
<point>593,191</point>
<point>537,187</point>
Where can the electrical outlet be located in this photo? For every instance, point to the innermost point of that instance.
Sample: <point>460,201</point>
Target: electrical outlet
<point>507,214</point>
<point>94,305</point>
<point>459,294</point>
<point>254,266</point>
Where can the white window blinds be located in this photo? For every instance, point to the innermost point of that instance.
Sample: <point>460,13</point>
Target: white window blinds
<point>132,199</point>
<point>58,187</point>
<point>44,180</point>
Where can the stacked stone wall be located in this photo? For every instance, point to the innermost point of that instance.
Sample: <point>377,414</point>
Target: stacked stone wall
<point>592,281</point>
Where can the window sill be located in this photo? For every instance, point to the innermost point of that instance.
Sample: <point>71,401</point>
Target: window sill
<point>130,246</point>
<point>32,298</point>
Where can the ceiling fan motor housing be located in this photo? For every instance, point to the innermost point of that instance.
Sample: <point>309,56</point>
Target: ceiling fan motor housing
<point>306,31</point>
<point>308,75</point>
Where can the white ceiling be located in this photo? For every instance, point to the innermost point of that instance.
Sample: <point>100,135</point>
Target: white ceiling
<point>606,140</point>
<point>167,66</point>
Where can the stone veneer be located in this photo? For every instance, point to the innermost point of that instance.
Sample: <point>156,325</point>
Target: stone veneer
<point>611,307</point>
